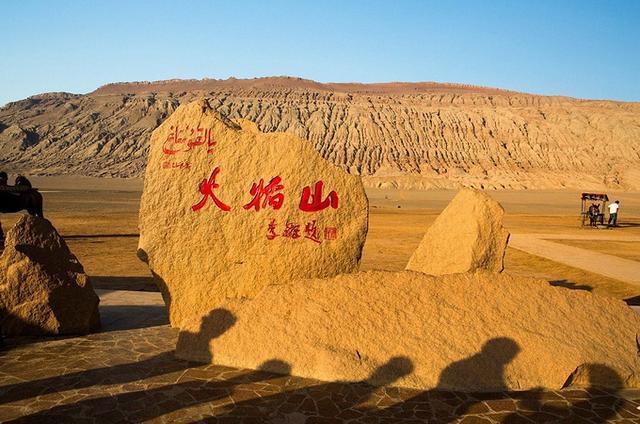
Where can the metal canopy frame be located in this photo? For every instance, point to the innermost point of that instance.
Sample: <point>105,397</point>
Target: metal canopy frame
<point>601,198</point>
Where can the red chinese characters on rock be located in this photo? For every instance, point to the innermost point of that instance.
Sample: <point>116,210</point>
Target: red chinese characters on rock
<point>206,188</point>
<point>313,202</point>
<point>185,140</point>
<point>266,196</point>
<point>270,195</point>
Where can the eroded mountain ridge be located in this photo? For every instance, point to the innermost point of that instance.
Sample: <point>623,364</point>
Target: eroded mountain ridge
<point>420,135</point>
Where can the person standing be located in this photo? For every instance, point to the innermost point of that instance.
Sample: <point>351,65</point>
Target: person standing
<point>613,214</point>
<point>594,211</point>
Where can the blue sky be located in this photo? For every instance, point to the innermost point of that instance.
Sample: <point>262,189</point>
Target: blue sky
<point>581,48</point>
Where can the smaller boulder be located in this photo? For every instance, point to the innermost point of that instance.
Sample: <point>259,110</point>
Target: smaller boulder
<point>468,235</point>
<point>43,287</point>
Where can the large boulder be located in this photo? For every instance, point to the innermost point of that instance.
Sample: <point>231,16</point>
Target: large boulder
<point>467,236</point>
<point>471,332</point>
<point>43,287</point>
<point>227,210</point>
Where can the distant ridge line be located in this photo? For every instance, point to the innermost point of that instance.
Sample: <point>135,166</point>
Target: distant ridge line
<point>280,82</point>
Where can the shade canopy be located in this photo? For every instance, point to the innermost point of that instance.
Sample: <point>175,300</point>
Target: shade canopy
<point>595,196</point>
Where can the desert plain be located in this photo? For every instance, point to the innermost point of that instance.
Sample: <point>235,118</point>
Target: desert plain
<point>98,217</point>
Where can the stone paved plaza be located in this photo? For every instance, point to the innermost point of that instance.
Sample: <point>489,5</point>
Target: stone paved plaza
<point>128,373</point>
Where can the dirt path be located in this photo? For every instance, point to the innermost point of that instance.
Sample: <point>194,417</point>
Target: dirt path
<point>596,235</point>
<point>608,265</point>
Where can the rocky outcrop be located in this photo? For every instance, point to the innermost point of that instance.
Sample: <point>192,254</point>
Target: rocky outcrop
<point>43,287</point>
<point>468,235</point>
<point>227,210</point>
<point>468,332</point>
<point>15,140</point>
<point>396,135</point>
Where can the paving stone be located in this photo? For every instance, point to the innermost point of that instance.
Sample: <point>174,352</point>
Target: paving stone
<point>477,408</point>
<point>475,420</point>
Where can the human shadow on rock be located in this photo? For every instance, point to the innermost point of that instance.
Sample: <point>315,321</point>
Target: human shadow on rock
<point>597,403</point>
<point>483,371</point>
<point>198,342</point>
<point>332,401</point>
<point>449,400</point>
<point>161,364</point>
<point>336,401</point>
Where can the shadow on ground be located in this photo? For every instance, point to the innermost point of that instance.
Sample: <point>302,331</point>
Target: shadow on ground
<point>129,317</point>
<point>570,285</point>
<point>628,225</point>
<point>110,282</point>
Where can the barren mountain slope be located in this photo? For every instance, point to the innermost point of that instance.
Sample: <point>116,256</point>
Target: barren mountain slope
<point>401,134</point>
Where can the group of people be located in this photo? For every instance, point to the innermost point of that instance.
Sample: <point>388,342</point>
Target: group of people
<point>21,184</point>
<point>594,213</point>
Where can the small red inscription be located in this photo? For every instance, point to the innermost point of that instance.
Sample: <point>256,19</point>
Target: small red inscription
<point>291,230</point>
<point>206,188</point>
<point>311,231</point>
<point>184,140</point>
<point>176,165</point>
<point>271,230</point>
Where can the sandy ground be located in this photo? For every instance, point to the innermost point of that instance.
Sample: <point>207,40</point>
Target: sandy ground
<point>98,218</point>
